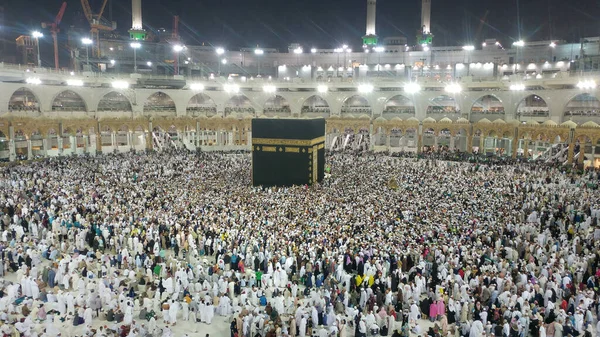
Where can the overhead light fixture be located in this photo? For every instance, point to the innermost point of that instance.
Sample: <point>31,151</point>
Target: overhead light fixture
<point>322,88</point>
<point>149,64</point>
<point>519,43</point>
<point>552,44</point>
<point>135,45</point>
<point>517,87</point>
<point>379,49</point>
<point>259,51</point>
<point>197,86</point>
<point>269,89</point>
<point>86,41</point>
<point>120,84</point>
<point>112,62</point>
<point>75,83</point>
<point>412,88</point>
<point>298,50</point>
<point>468,48</point>
<point>220,51</point>
<point>313,50</point>
<point>178,48</point>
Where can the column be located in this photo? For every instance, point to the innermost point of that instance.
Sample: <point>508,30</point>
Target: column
<point>61,149</point>
<point>73,140</point>
<point>130,140</point>
<point>12,150</point>
<point>526,148</point>
<point>86,143</point>
<point>452,142</point>
<point>481,144</point>
<point>581,153</point>
<point>388,139</point>
<point>420,143</point>
<point>149,140</point>
<point>45,147</point>
<point>515,147</point>
<point>29,150</point>
<point>98,143</point>
<point>113,140</point>
<point>469,143</point>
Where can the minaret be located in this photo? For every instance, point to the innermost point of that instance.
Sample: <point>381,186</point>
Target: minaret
<point>370,37</point>
<point>137,31</point>
<point>426,16</point>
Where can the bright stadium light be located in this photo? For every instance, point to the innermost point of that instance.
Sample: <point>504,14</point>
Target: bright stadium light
<point>120,84</point>
<point>412,88</point>
<point>519,43</point>
<point>322,88</point>
<point>453,88</point>
<point>75,83</point>
<point>259,51</point>
<point>517,87</point>
<point>197,86</point>
<point>231,88</point>
<point>589,84</point>
<point>33,80</point>
<point>468,48</point>
<point>365,88</point>
<point>269,89</point>
<point>220,51</point>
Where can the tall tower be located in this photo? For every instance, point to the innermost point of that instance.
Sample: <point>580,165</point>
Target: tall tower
<point>137,31</point>
<point>370,37</point>
<point>424,36</point>
<point>426,16</point>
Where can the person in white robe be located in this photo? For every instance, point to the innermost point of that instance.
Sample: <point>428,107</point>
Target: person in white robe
<point>224,306</point>
<point>173,310</point>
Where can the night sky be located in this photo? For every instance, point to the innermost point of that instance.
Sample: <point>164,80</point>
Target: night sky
<point>328,23</point>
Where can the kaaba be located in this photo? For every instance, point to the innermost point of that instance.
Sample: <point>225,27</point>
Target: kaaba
<point>288,152</point>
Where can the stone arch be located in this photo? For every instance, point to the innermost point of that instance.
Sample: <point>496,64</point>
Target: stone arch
<point>277,105</point>
<point>23,100</point>
<point>315,106</point>
<point>160,103</point>
<point>582,105</point>
<point>238,104</point>
<point>398,104</point>
<point>114,101</point>
<point>357,105</point>
<point>443,105</point>
<point>532,106</point>
<point>488,105</point>
<point>201,104</point>
<point>68,100</point>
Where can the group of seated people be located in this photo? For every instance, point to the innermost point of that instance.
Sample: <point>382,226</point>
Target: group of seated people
<point>582,113</point>
<point>23,107</point>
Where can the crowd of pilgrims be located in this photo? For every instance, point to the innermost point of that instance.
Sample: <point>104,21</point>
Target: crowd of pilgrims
<point>161,244</point>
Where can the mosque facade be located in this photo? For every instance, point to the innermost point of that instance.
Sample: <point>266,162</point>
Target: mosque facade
<point>50,114</point>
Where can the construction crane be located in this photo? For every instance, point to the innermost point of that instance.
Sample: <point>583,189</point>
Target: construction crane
<point>97,23</point>
<point>53,26</point>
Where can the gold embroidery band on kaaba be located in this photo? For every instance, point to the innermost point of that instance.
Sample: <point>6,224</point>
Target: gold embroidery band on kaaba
<point>292,142</point>
<point>292,149</point>
<point>269,149</point>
